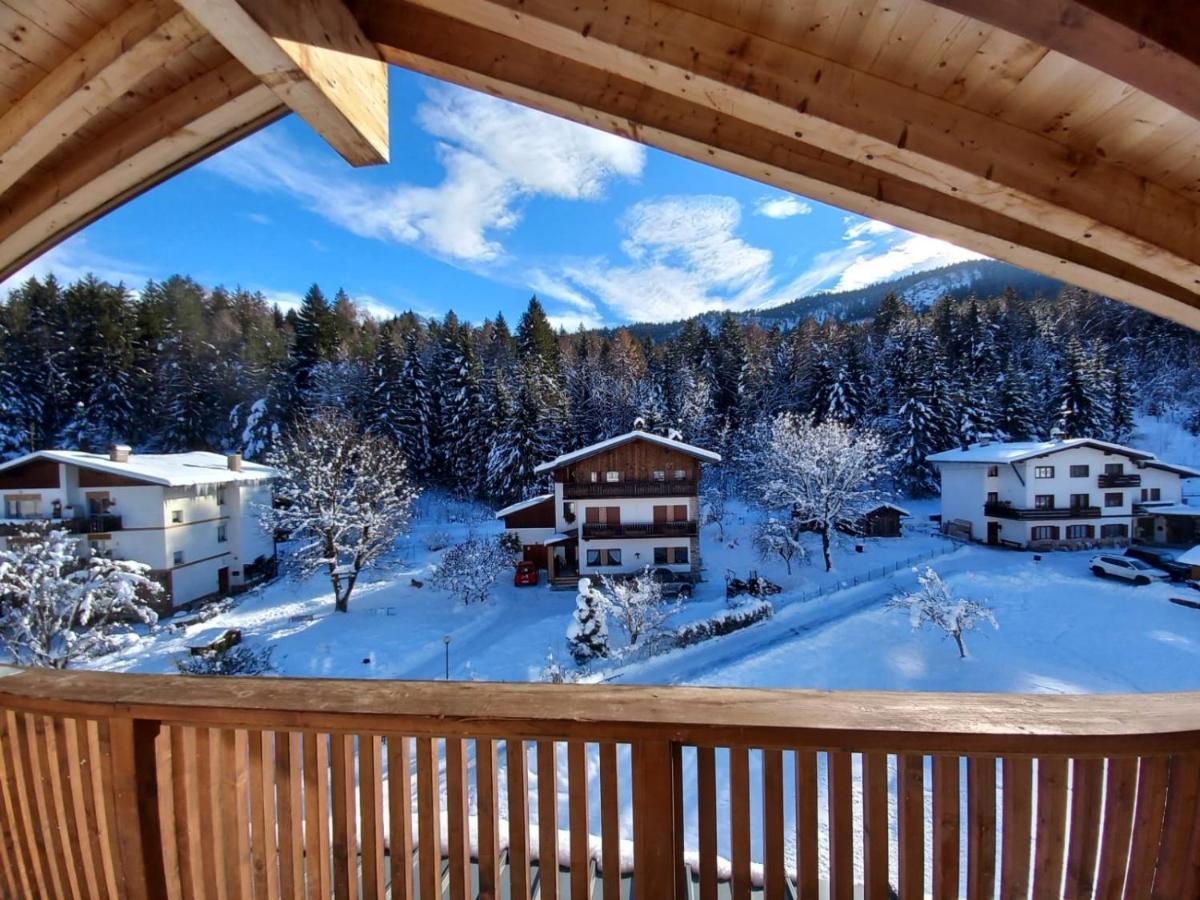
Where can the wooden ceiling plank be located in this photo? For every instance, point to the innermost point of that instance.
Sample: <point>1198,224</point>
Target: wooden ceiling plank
<point>313,54</point>
<point>30,41</point>
<point>455,51</point>
<point>195,121</point>
<point>1151,44</point>
<point>997,68</point>
<point>859,116</point>
<point>102,70</point>
<point>950,57</point>
<point>61,18</point>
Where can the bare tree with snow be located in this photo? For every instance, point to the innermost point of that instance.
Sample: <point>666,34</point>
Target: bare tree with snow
<point>343,496</point>
<point>58,609</point>
<point>779,537</point>
<point>821,475</point>
<point>469,570</point>
<point>932,603</point>
<point>637,604</point>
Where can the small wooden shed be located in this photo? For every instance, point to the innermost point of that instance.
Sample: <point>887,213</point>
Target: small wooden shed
<point>882,520</point>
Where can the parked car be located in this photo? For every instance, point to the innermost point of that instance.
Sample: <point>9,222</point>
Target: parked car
<point>1128,568</point>
<point>673,584</point>
<point>1162,558</point>
<point>526,574</point>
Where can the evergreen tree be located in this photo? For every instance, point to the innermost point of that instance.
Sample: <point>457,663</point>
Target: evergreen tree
<point>536,342</point>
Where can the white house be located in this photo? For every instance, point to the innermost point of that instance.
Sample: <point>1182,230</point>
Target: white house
<point>1062,492</point>
<point>191,517</point>
<point>618,506</point>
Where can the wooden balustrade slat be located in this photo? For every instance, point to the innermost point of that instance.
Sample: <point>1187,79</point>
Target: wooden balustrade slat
<point>774,867</point>
<point>289,783</point>
<point>106,812</point>
<point>82,831</point>
<point>656,851</point>
<point>31,742</point>
<point>263,853</point>
<point>577,821</point>
<point>459,844</point>
<point>1119,788</point>
<point>317,849</point>
<point>487,814</point>
<point>235,809</point>
<point>910,820</point>
<point>610,823</point>
<point>739,821</point>
<point>945,820</point>
<point>1179,822</point>
<point>517,766</point>
<point>400,834</point>
<point>210,836</point>
<point>807,869</point>
<point>1050,840</point>
<point>706,816</point>
<point>134,746</point>
<point>547,803</point>
<point>1083,841</point>
<point>14,883</point>
<point>1017,777</point>
<point>981,827</point>
<point>429,837</point>
<point>840,798</point>
<point>17,808</point>
<point>33,818</point>
<point>345,832</point>
<point>183,776</point>
<point>370,799</point>
<point>1147,824</point>
<point>680,875</point>
<point>169,825</point>
<point>55,766</point>
<point>875,826</point>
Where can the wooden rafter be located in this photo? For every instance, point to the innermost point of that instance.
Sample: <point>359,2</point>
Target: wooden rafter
<point>315,57</point>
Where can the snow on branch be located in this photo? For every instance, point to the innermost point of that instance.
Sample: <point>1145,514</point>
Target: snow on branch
<point>933,604</point>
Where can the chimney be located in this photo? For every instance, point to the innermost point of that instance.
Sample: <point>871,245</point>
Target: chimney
<point>1058,435</point>
<point>984,439</point>
<point>234,462</point>
<point>119,453</point>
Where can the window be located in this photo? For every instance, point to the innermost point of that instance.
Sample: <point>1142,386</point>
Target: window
<point>1114,468</point>
<point>1080,471</point>
<point>1079,501</point>
<point>1044,533</point>
<point>1114,531</point>
<point>220,496</point>
<point>680,513</point>
<point>1043,471</point>
<point>595,476</point>
<point>177,557</point>
<point>993,472</point>
<point>221,534</point>
<point>1078,532</point>
<point>993,497</point>
<point>1114,499</point>
<point>681,555</point>
<point>22,507</point>
<point>569,511</point>
<point>1043,501</point>
<point>660,556</point>
<point>176,516</point>
<point>101,549</point>
<point>658,475</point>
<point>602,515</point>
<point>597,558</point>
<point>1155,494</point>
<point>681,474</point>
<point>612,477</point>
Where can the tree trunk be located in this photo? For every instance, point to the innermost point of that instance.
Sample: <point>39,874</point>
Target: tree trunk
<point>825,548</point>
<point>962,651</point>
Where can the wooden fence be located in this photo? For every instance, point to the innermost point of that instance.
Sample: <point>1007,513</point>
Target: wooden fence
<point>131,786</point>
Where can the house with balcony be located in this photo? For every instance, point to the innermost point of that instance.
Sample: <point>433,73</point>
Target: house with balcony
<point>191,517</point>
<point>1063,492</point>
<point>618,506</point>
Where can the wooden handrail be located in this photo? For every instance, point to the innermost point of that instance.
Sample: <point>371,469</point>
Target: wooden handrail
<point>268,783</point>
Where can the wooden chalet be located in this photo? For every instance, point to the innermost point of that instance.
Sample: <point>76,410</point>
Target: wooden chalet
<point>1060,136</point>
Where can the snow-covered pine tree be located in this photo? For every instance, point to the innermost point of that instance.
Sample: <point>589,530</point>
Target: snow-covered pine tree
<point>1017,419</point>
<point>1122,409</point>
<point>1082,407</point>
<point>461,406</point>
<point>924,419</point>
<point>536,341</point>
<point>587,635</point>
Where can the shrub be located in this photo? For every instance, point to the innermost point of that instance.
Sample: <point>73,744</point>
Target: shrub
<point>239,660</point>
<point>723,623</point>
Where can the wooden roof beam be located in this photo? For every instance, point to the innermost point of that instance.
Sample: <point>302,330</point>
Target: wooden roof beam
<point>141,39</point>
<point>314,56</point>
<point>465,54</point>
<point>1152,45</point>
<point>892,128</point>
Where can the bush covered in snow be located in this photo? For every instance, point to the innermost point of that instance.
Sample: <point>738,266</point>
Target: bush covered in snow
<point>780,537</point>
<point>469,570</point>
<point>637,604</point>
<point>724,623</point>
<point>239,660</point>
<point>57,609</point>
<point>932,603</point>
<point>587,635</point>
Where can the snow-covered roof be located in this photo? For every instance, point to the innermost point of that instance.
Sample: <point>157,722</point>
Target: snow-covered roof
<point>1181,471</point>
<point>1002,453</point>
<point>1169,509</point>
<point>168,469</point>
<point>886,505</point>
<point>558,537</point>
<point>524,504</point>
<point>592,450</point>
<point>1190,557</point>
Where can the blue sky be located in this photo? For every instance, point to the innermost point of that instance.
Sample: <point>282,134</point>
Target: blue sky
<point>483,204</point>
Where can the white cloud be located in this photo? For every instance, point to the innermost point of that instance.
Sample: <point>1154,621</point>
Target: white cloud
<point>783,207</point>
<point>866,228</point>
<point>903,254</point>
<point>495,155</point>
<point>260,218</point>
<point>74,259</point>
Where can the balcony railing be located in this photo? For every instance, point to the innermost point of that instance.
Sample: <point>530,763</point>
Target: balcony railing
<point>594,531</point>
<point>614,489</point>
<point>143,786</point>
<point>91,524</point>
<point>1119,481</point>
<point>1005,511</point>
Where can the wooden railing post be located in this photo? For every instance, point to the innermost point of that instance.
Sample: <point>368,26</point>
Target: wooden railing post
<point>657,841</point>
<point>135,746</point>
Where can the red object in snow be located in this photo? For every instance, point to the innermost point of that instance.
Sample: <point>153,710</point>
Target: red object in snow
<point>526,574</point>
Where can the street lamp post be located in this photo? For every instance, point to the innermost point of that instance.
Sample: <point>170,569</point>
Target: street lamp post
<point>446,641</point>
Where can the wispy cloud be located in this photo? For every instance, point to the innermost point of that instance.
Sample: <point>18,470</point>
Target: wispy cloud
<point>74,259</point>
<point>495,155</point>
<point>260,218</point>
<point>782,207</point>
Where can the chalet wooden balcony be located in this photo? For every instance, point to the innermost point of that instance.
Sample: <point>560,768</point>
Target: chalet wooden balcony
<point>1119,481</point>
<point>137,786</point>
<point>596,531</point>
<point>92,524</point>
<point>1006,511</point>
<point>618,489</point>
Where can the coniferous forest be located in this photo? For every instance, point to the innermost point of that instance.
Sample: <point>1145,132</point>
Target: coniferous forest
<point>475,407</point>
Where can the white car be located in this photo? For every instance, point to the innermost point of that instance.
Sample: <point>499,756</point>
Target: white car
<point>1128,568</point>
